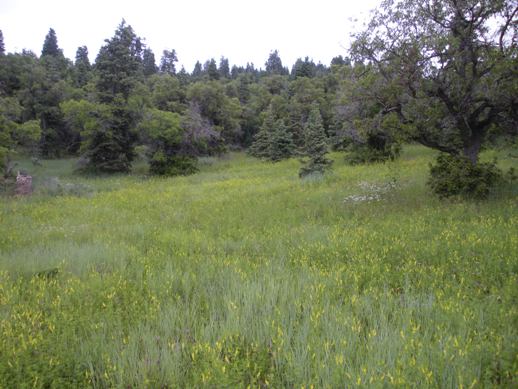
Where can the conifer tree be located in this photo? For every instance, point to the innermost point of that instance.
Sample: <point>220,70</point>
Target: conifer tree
<point>224,68</point>
<point>2,45</point>
<point>197,71</point>
<point>148,62</point>
<point>50,45</point>
<point>315,145</point>
<point>82,67</point>
<point>260,148</point>
<point>118,67</point>
<point>168,62</point>
<point>281,142</point>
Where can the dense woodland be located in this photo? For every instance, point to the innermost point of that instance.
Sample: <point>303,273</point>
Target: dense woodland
<point>434,72</point>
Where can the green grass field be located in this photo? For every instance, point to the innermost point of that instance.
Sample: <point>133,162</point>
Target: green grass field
<point>245,276</point>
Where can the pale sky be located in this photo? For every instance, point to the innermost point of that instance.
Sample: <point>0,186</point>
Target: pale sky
<point>243,31</point>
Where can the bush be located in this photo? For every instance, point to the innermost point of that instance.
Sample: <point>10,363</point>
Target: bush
<point>377,148</point>
<point>171,165</point>
<point>454,175</point>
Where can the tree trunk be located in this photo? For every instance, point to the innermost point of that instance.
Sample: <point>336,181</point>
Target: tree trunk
<point>472,146</point>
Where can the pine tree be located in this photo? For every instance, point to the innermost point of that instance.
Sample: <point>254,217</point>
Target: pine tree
<point>197,71</point>
<point>281,142</point>
<point>148,62</point>
<point>274,64</point>
<point>168,61</point>
<point>82,67</point>
<point>211,68</point>
<point>50,45</point>
<point>2,45</point>
<point>224,68</point>
<point>315,147</point>
<point>262,140</point>
<point>118,67</point>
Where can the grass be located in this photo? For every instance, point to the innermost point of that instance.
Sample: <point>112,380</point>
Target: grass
<point>244,275</point>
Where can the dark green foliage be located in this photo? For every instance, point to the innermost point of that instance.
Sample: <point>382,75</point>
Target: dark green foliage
<point>165,137</point>
<point>82,67</point>
<point>377,147</point>
<point>224,68</point>
<point>2,45</point>
<point>163,164</point>
<point>168,62</point>
<point>273,141</point>
<point>223,112</point>
<point>197,71</point>
<point>148,62</point>
<point>304,68</point>
<point>444,73</point>
<point>281,142</point>
<point>211,69</point>
<point>260,148</point>
<point>455,175</point>
<point>118,65</point>
<point>111,147</point>
<point>274,64</point>
<point>50,45</point>
<point>315,146</point>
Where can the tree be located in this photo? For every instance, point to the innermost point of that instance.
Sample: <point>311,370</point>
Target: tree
<point>13,134</point>
<point>211,69</point>
<point>164,135</point>
<point>452,66</point>
<point>200,137</point>
<point>304,68</point>
<point>281,142</point>
<point>197,71</point>
<point>50,45</point>
<point>148,62</point>
<point>111,148</point>
<point>168,62</point>
<point>315,145</point>
<point>260,148</point>
<point>224,68</point>
<point>274,64</point>
<point>2,45</point>
<point>82,67</point>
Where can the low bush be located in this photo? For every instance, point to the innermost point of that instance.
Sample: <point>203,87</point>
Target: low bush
<point>454,175</point>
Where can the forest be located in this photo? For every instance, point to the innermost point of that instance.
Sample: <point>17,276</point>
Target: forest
<point>350,224</point>
<point>449,85</point>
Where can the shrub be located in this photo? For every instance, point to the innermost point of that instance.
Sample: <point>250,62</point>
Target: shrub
<point>377,148</point>
<point>454,175</point>
<point>171,165</point>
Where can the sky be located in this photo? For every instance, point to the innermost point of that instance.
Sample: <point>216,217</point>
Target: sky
<point>242,31</point>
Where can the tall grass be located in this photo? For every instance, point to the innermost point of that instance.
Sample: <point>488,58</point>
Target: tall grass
<point>244,275</point>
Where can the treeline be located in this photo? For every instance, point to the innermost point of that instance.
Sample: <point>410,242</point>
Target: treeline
<point>102,111</point>
<point>435,72</point>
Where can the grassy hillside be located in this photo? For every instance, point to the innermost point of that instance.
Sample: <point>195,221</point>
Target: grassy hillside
<point>244,275</point>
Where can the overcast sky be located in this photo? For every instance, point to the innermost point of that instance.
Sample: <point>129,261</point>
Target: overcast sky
<point>241,30</point>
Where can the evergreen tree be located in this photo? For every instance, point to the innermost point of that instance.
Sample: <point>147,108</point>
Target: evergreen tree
<point>274,64</point>
<point>211,68</point>
<point>50,45</point>
<point>2,45</point>
<point>148,62</point>
<point>315,147</point>
<point>262,140</point>
<point>281,142</point>
<point>168,62</point>
<point>111,149</point>
<point>304,68</point>
<point>224,68</point>
<point>82,67</point>
<point>197,71</point>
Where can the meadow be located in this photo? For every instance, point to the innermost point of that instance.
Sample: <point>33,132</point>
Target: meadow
<point>243,275</point>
